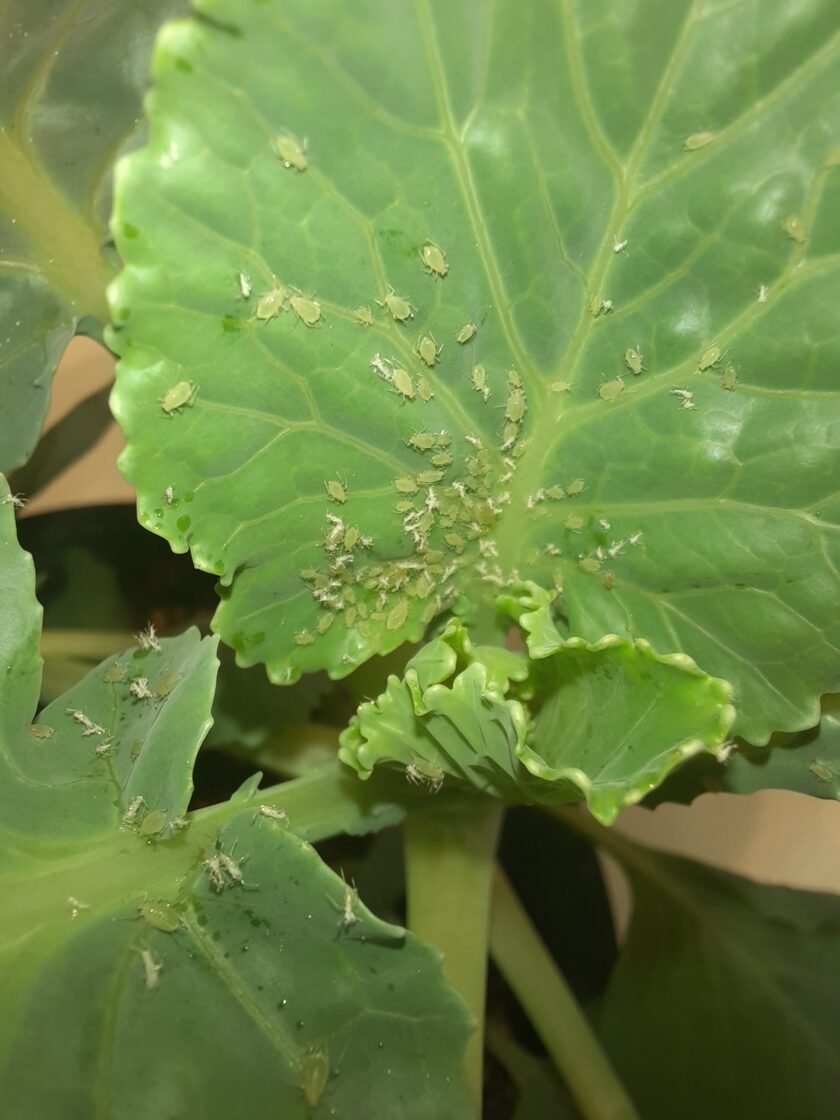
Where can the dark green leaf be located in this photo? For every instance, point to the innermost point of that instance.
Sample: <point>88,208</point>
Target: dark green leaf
<point>201,965</point>
<point>71,83</point>
<point>724,999</point>
<point>677,161</point>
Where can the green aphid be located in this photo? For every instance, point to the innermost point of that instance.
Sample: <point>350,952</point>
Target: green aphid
<point>41,731</point>
<point>307,310</point>
<point>290,151</point>
<point>324,622</point>
<point>793,227</point>
<point>403,383</point>
<point>633,360</point>
<point>455,542</point>
<point>428,349</point>
<point>698,140</point>
<point>589,564</point>
<point>315,1071</point>
<point>166,683</point>
<point>611,389</point>
<point>351,537</point>
<point>729,377</point>
<point>398,307</point>
<point>479,378</point>
<point>576,486</point>
<point>424,389</point>
<point>422,441</point>
<point>515,407</point>
<point>114,673</point>
<point>271,303</point>
<point>441,459</point>
<point>429,478</point>
<point>337,491</point>
<point>573,523</point>
<point>153,823</point>
<point>397,615</point>
<point>160,915</point>
<point>555,493</point>
<point>709,358</point>
<point>181,395</point>
<point>406,485</point>
<point>466,333</point>
<point>364,315</point>
<point>434,259</point>
<point>303,638</point>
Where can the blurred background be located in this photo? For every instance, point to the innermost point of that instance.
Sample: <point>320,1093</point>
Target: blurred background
<point>774,836</point>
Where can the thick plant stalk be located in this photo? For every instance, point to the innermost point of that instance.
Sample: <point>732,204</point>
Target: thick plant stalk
<point>450,853</point>
<point>529,969</point>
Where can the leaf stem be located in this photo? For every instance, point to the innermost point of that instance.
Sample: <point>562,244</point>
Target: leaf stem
<point>529,969</point>
<point>450,852</point>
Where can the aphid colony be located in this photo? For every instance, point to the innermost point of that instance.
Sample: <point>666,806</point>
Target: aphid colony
<point>446,510</point>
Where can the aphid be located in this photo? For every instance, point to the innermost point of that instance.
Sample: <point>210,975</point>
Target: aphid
<point>403,383</point>
<point>429,478</point>
<point>133,810</point>
<point>348,915</point>
<point>698,140</point>
<point>303,638</point>
<point>575,487</point>
<point>336,491</point>
<point>560,387</point>
<point>729,377</point>
<point>222,871</point>
<point>709,358</point>
<point>424,389</point>
<point>479,378</point>
<point>86,723</point>
<point>573,523</point>
<point>153,823</point>
<point>419,772</point>
<point>793,227</point>
<point>820,771</point>
<point>271,302</point>
<point>76,905</point>
<point>364,315</point>
<point>633,359</point>
<point>398,307</point>
<point>762,293</point>
<point>515,406</point>
<point>160,915</point>
<point>422,441</point>
<point>455,542</point>
<point>41,731</point>
<point>147,639</point>
<point>307,310</point>
<point>273,814</point>
<point>290,151</point>
<point>609,390</point>
<point>151,970</point>
<point>169,496</point>
<point>351,537</point>
<point>139,689</point>
<point>466,333</point>
<point>608,580</point>
<point>180,395</point>
<point>619,246</point>
<point>397,615</point>
<point>166,683</point>
<point>16,501</point>
<point>434,259</point>
<point>441,459</point>
<point>406,485</point>
<point>428,349</point>
<point>315,1069</point>
<point>380,367</point>
<point>244,286</point>
<point>555,493</point>
<point>325,621</point>
<point>589,565</point>
<point>686,397</point>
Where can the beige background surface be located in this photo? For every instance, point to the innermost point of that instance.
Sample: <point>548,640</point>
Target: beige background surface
<point>778,837</point>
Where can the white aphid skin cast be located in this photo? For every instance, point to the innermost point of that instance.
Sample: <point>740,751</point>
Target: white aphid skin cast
<point>147,639</point>
<point>151,970</point>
